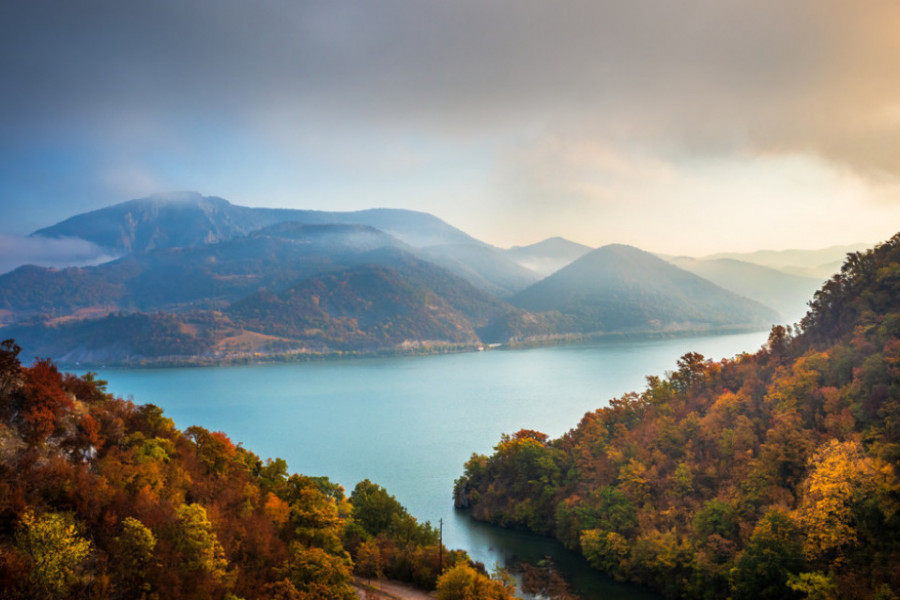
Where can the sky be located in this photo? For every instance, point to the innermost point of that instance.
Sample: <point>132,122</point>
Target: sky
<point>678,126</point>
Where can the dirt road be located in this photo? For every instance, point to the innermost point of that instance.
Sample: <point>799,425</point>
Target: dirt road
<point>381,589</point>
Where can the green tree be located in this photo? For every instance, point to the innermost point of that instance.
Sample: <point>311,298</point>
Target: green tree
<point>814,586</point>
<point>53,544</point>
<point>374,508</point>
<point>131,556</point>
<point>197,542</point>
<point>774,552</point>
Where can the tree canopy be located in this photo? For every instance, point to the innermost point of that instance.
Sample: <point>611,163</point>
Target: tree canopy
<point>769,475</point>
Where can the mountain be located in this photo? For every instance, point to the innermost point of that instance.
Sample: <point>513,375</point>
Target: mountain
<point>285,288</point>
<point>788,294</point>
<point>189,220</point>
<point>484,266</point>
<point>207,276</point>
<point>185,219</point>
<point>366,307</point>
<point>620,288</point>
<point>821,263</point>
<point>548,256</point>
<point>170,220</point>
<point>764,476</point>
<point>201,277</point>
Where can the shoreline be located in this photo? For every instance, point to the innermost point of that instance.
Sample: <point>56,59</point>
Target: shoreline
<point>302,356</point>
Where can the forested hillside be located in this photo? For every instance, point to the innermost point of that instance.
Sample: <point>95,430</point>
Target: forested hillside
<point>104,499</point>
<point>771,475</point>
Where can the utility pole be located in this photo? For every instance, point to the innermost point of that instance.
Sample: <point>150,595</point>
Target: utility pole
<point>441,548</point>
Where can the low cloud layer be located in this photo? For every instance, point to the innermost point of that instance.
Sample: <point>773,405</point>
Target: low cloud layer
<point>16,251</point>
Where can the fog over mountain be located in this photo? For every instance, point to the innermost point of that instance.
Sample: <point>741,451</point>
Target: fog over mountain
<point>181,219</point>
<point>785,292</point>
<point>548,256</point>
<point>820,263</point>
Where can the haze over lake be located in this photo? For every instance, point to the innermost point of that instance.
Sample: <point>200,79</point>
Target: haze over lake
<point>409,423</point>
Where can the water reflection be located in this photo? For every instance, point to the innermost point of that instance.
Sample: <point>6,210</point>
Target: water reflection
<point>545,569</point>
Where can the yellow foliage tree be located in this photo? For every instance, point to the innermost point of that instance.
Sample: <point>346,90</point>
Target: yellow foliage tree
<point>462,582</point>
<point>841,475</point>
<point>56,550</point>
<point>198,543</point>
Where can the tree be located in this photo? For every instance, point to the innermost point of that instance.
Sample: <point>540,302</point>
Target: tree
<point>200,548</point>
<point>10,367</point>
<point>773,553</point>
<point>44,400</point>
<point>841,476</point>
<point>814,586</point>
<point>462,582</point>
<point>374,508</point>
<point>131,556</point>
<point>53,544</point>
<point>318,574</point>
<point>369,562</point>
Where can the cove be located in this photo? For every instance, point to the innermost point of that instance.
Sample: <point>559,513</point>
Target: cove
<point>409,423</point>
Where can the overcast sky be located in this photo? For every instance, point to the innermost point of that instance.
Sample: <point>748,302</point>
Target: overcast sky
<point>679,126</point>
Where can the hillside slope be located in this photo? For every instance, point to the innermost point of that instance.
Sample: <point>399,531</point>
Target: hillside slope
<point>620,288</point>
<point>206,276</point>
<point>786,293</point>
<point>105,499</point>
<point>388,301</point>
<point>769,476</point>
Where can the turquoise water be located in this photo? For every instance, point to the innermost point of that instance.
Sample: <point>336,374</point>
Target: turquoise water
<point>409,423</point>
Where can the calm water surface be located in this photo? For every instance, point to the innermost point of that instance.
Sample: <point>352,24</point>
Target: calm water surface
<point>409,423</point>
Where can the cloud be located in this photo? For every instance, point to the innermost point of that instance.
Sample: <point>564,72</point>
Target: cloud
<point>16,251</point>
<point>812,76</point>
<point>506,117</point>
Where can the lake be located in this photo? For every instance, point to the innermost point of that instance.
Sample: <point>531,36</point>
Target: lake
<point>409,423</point>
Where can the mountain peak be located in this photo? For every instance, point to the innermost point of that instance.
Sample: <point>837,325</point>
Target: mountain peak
<point>174,197</point>
<point>622,288</point>
<point>547,256</point>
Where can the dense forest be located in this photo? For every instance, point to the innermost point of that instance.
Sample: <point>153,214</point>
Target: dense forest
<point>101,498</point>
<point>767,476</point>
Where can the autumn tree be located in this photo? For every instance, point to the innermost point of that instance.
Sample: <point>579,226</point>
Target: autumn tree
<point>132,557</point>
<point>462,582</point>
<point>55,548</point>
<point>773,553</point>
<point>841,478</point>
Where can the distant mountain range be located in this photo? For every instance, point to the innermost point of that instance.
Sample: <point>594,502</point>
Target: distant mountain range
<point>200,280</point>
<point>786,293</point>
<point>818,264</point>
